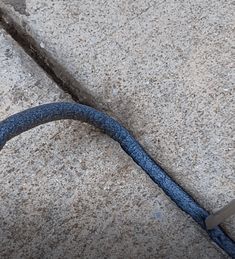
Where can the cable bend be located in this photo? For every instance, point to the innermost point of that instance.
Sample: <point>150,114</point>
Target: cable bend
<point>25,120</point>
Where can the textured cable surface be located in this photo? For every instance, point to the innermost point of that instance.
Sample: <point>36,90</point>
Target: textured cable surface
<point>23,121</point>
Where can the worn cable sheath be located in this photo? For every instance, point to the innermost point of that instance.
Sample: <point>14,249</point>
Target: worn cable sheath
<point>23,121</point>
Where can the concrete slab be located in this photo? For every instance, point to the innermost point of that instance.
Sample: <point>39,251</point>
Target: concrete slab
<point>164,69</point>
<point>68,191</point>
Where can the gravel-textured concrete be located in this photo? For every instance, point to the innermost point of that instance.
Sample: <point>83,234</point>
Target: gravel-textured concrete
<point>68,191</point>
<point>164,68</point>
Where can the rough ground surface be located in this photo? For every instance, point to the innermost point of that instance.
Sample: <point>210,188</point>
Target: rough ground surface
<point>165,69</point>
<point>68,191</point>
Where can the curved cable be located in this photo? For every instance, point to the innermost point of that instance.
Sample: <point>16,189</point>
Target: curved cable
<point>23,121</point>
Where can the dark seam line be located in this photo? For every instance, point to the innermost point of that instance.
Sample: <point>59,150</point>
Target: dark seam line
<point>57,72</point>
<point>23,121</point>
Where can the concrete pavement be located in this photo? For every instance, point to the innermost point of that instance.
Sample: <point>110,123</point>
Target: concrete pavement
<point>165,70</point>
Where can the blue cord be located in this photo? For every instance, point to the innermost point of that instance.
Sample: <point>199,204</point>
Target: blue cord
<point>23,121</point>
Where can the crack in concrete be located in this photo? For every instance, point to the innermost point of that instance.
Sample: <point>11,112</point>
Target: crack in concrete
<point>54,70</point>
